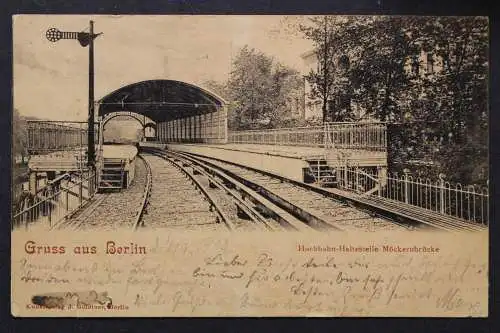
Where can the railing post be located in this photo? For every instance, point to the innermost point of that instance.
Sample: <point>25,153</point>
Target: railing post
<point>379,183</point>
<point>407,196</point>
<point>319,173</point>
<point>49,207</point>
<point>91,183</point>
<point>325,133</point>
<point>441,193</point>
<point>356,186</point>
<point>33,182</point>
<point>80,192</point>
<point>346,175</point>
<point>67,195</point>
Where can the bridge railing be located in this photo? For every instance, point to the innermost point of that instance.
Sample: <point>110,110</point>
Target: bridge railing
<point>48,136</point>
<point>55,201</point>
<point>367,136</point>
<point>469,203</point>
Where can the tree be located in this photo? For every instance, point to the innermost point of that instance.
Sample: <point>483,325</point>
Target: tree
<point>426,75</point>
<point>249,84</point>
<point>217,88</point>
<point>320,31</point>
<point>459,91</point>
<point>286,85</point>
<point>19,136</point>
<point>258,90</point>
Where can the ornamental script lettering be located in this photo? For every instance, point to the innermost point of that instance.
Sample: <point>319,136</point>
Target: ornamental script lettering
<point>32,247</point>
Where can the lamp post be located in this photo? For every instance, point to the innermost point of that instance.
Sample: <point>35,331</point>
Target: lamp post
<point>84,39</point>
<point>91,136</point>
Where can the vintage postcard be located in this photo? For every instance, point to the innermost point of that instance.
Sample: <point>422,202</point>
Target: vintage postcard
<point>191,166</point>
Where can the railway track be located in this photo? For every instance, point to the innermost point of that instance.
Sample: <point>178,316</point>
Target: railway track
<point>190,192</point>
<point>295,207</point>
<point>177,200</point>
<point>240,207</point>
<point>113,210</point>
<point>339,209</point>
<point>188,196</point>
<point>168,193</point>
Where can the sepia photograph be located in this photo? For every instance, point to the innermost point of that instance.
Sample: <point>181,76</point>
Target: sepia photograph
<point>332,123</point>
<point>309,133</point>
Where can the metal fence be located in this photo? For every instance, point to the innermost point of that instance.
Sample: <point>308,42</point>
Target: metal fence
<point>48,136</point>
<point>469,203</point>
<point>368,136</point>
<point>55,201</point>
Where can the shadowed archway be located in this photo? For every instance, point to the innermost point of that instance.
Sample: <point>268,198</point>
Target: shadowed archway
<point>182,112</point>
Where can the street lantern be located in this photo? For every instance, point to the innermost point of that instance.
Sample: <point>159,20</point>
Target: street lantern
<point>84,38</point>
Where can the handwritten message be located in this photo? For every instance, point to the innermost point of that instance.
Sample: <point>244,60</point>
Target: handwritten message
<point>194,275</point>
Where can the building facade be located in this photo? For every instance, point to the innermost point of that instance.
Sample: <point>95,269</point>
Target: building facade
<point>420,67</point>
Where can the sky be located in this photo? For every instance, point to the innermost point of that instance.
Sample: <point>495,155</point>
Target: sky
<point>51,79</point>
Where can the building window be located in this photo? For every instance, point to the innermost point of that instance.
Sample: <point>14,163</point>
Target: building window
<point>430,63</point>
<point>415,66</point>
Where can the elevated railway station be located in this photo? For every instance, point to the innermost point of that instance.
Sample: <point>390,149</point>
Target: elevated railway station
<point>190,119</point>
<point>346,162</point>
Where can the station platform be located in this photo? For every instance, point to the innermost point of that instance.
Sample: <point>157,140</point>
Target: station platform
<point>75,160</point>
<point>119,151</point>
<point>288,161</point>
<point>58,161</point>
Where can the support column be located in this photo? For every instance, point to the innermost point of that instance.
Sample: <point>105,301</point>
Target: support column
<point>211,126</point>
<point>219,126</point>
<point>165,132</point>
<point>51,175</point>
<point>225,124</point>
<point>199,128</point>
<point>193,128</point>
<point>382,178</point>
<point>192,134</point>
<point>33,182</point>
<point>202,128</point>
<point>179,129</point>
<point>193,121</point>
<point>176,130</point>
<point>182,127</point>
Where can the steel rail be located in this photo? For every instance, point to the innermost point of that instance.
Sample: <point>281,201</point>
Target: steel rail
<point>394,212</point>
<point>225,219</point>
<point>146,195</point>
<point>288,215</point>
<point>306,217</point>
<point>283,217</point>
<point>249,211</point>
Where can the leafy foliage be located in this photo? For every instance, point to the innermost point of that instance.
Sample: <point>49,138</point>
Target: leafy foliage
<point>19,135</point>
<point>322,33</point>
<point>258,91</point>
<point>427,75</point>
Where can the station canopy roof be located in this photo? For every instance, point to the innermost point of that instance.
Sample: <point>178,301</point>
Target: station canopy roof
<point>161,100</point>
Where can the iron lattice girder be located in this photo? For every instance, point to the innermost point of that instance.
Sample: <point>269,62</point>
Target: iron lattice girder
<point>161,100</point>
<point>144,121</point>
